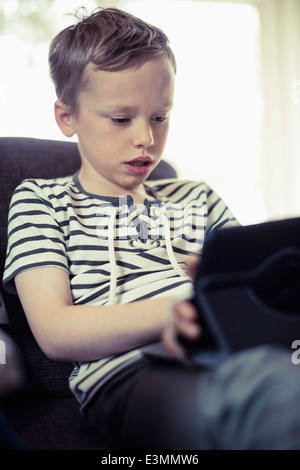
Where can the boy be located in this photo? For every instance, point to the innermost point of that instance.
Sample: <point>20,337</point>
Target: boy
<point>100,259</point>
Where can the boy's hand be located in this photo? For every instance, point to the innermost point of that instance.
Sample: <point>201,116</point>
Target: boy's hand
<point>182,320</point>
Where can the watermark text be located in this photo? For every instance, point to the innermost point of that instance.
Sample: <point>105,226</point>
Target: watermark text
<point>296,92</point>
<point>2,352</point>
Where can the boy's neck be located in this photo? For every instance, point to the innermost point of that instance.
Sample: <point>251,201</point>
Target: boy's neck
<point>138,194</point>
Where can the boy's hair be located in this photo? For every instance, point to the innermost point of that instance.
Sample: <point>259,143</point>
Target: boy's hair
<point>110,40</point>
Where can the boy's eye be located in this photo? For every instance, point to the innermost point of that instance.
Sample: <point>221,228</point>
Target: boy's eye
<point>120,121</point>
<point>160,118</point>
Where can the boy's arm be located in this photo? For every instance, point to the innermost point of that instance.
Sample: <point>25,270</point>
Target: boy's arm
<point>71,332</point>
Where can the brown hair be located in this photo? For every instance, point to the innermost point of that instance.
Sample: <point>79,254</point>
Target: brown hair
<point>111,40</point>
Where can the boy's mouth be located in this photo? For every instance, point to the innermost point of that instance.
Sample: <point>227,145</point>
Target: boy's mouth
<point>139,165</point>
<point>139,161</point>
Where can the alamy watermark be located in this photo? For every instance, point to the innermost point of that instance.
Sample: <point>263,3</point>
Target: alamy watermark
<point>296,92</point>
<point>2,352</point>
<point>154,222</point>
<point>296,354</point>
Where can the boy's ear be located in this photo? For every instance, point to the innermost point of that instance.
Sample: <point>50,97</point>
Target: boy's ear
<point>64,118</point>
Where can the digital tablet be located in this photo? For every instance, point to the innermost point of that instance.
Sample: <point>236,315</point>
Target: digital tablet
<point>247,289</point>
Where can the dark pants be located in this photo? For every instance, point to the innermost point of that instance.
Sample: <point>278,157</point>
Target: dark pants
<point>8,440</point>
<point>251,401</point>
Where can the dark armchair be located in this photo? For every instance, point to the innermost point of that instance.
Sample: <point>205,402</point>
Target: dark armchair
<point>44,414</point>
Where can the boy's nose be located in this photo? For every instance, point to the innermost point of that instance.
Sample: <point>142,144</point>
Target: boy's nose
<point>143,135</point>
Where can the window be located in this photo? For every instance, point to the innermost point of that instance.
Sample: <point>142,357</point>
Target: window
<point>227,126</point>
<point>215,132</point>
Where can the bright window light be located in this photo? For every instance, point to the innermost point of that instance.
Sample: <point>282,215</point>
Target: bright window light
<point>215,132</point>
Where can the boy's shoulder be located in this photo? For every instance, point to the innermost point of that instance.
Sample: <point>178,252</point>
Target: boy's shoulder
<point>168,187</point>
<point>45,185</point>
<point>53,192</point>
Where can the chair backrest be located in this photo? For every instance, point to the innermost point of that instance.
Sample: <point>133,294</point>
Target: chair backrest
<point>22,158</point>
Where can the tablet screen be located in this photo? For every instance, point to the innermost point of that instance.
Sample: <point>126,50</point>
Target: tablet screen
<point>244,247</point>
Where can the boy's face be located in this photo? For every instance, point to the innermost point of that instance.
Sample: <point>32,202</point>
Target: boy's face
<point>122,125</point>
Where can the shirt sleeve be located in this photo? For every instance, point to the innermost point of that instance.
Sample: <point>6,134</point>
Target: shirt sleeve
<point>35,237</point>
<point>218,214</point>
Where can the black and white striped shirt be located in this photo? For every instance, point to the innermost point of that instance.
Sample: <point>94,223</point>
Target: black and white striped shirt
<point>114,251</point>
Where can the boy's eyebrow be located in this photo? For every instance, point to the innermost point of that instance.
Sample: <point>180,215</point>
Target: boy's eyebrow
<point>121,108</point>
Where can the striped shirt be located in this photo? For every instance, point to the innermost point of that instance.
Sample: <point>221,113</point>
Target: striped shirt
<point>115,252</point>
